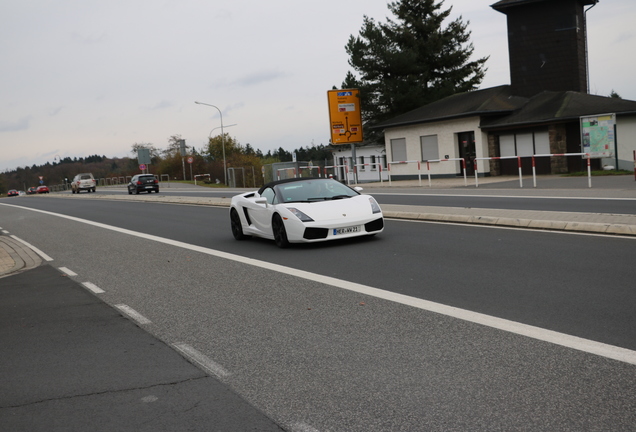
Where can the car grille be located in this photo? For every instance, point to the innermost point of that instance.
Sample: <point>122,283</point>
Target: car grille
<point>375,225</point>
<point>315,233</point>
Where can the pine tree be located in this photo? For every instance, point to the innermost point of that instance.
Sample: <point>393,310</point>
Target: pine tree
<point>411,61</point>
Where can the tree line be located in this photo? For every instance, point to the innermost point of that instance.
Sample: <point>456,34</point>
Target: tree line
<point>167,161</point>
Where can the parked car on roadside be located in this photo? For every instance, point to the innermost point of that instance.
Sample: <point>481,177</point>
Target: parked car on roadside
<point>83,181</point>
<point>143,183</point>
<point>13,192</point>
<point>43,189</point>
<point>32,190</point>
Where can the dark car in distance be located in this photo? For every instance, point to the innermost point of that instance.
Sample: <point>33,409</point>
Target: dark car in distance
<point>143,183</point>
<point>13,192</point>
<point>32,190</point>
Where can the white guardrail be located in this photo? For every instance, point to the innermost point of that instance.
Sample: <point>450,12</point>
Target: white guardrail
<point>463,163</point>
<point>534,170</point>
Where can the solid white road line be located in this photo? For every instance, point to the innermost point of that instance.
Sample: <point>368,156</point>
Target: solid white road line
<point>577,343</point>
<point>127,310</point>
<point>44,256</point>
<point>505,196</point>
<point>202,360</point>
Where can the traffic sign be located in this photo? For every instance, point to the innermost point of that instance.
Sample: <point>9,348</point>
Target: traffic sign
<point>190,159</point>
<point>345,116</point>
<point>142,166</point>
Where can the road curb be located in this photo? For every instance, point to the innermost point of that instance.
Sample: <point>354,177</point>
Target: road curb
<point>15,257</point>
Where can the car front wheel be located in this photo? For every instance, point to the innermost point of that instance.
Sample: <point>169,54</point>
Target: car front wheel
<point>237,227</point>
<point>280,234</point>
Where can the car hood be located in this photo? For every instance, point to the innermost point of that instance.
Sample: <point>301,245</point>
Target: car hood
<point>358,206</point>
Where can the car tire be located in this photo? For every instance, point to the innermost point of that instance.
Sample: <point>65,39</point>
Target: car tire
<point>280,234</point>
<point>237,227</point>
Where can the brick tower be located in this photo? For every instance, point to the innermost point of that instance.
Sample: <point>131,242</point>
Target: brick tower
<point>546,45</point>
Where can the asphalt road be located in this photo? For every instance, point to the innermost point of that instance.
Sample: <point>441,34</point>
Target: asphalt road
<point>317,357</point>
<point>482,270</point>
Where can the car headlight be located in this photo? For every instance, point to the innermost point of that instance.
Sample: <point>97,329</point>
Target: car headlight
<point>374,205</point>
<point>300,215</point>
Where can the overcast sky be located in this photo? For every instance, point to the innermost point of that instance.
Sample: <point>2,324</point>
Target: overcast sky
<point>85,77</point>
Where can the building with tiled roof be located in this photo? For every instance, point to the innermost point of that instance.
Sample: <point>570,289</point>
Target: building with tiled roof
<point>540,112</point>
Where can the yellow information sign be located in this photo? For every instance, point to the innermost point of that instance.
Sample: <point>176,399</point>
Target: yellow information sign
<point>345,116</point>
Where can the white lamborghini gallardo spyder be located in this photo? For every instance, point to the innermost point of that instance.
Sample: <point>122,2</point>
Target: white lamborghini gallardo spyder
<point>305,210</point>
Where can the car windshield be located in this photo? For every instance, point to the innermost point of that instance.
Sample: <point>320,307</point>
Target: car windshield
<point>313,191</point>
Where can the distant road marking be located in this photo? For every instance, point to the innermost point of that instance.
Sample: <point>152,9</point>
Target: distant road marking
<point>44,256</point>
<point>577,343</point>
<point>67,271</point>
<point>210,366</point>
<point>94,288</point>
<point>302,427</point>
<point>5,232</point>
<point>127,310</point>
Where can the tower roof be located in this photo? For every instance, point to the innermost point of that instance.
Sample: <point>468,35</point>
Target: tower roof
<point>503,5</point>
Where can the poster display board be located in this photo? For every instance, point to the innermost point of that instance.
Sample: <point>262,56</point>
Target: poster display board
<point>597,135</point>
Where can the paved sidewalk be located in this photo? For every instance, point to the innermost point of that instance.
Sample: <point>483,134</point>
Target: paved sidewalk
<point>70,362</point>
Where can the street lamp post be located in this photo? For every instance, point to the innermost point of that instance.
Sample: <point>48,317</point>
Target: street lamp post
<point>222,139</point>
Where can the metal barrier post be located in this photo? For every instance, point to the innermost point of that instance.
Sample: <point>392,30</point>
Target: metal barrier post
<point>476,174</point>
<point>520,176</point>
<point>464,167</point>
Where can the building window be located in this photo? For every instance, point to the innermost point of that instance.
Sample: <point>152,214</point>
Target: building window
<point>374,160</point>
<point>541,143</point>
<point>398,150</point>
<point>507,146</point>
<point>524,144</point>
<point>361,162</point>
<point>430,149</point>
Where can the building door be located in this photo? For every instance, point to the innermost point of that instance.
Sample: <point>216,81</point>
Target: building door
<point>466,141</point>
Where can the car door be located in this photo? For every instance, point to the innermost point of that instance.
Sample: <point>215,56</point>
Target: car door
<point>261,214</point>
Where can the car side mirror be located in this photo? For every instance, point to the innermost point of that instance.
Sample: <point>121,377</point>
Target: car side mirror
<point>358,188</point>
<point>260,200</point>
